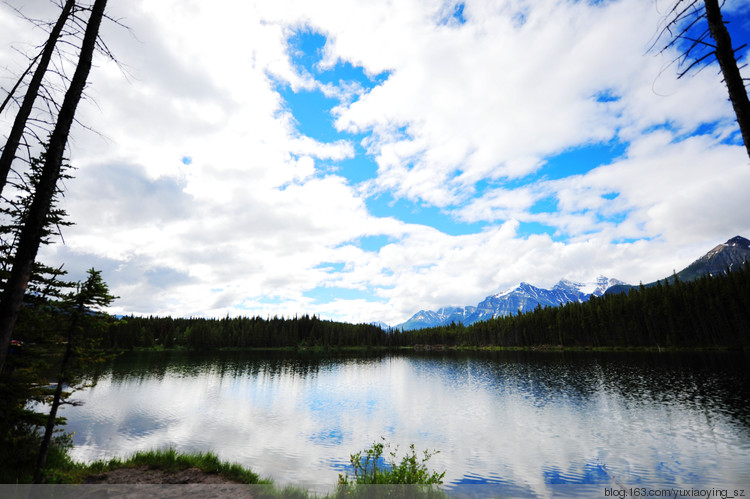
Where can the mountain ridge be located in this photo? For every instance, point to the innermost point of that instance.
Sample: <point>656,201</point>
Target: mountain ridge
<point>525,297</point>
<point>721,257</point>
<point>522,298</point>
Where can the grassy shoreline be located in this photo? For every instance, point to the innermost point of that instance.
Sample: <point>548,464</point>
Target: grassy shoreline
<point>168,460</point>
<point>65,471</point>
<point>410,478</point>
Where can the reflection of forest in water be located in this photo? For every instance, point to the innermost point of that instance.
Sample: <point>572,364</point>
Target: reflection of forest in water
<point>713,381</point>
<point>518,418</point>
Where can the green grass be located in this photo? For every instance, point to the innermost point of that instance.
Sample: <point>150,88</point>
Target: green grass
<point>64,470</point>
<point>377,472</point>
<point>373,476</point>
<point>170,460</point>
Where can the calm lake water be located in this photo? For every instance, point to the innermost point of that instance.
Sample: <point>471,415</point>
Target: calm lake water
<point>521,422</point>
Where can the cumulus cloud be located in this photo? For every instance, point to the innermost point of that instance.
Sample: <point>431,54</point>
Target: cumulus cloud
<point>518,82</point>
<point>465,115</point>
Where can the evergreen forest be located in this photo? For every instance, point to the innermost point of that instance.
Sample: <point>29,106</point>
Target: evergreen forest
<point>710,312</point>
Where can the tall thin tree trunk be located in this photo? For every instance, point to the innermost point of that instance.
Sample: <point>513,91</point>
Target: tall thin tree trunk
<point>31,233</point>
<point>19,125</point>
<point>728,65</point>
<point>57,397</point>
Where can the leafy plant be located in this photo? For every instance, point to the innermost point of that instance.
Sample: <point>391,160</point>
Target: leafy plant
<point>372,468</point>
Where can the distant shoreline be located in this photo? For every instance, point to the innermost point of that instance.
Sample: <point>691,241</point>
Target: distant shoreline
<point>446,348</point>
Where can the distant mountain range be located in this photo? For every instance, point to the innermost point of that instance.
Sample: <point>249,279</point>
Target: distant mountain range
<point>525,297</point>
<point>522,298</point>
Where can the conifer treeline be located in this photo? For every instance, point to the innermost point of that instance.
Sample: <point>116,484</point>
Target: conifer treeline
<point>241,332</point>
<point>708,312</point>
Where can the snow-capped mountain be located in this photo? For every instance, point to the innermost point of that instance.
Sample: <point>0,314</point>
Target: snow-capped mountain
<point>726,256</point>
<point>445,315</point>
<point>522,298</point>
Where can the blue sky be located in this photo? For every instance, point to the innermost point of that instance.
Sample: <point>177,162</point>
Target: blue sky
<point>364,160</point>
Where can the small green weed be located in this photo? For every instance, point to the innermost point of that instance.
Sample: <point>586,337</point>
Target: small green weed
<point>371,468</point>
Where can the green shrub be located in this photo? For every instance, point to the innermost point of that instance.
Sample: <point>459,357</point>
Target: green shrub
<point>371,468</point>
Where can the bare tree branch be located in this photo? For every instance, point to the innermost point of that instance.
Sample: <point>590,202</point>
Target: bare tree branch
<point>11,145</point>
<point>18,82</point>
<point>680,26</point>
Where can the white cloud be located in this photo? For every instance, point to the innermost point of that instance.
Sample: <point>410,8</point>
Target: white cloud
<point>466,120</point>
<point>492,98</point>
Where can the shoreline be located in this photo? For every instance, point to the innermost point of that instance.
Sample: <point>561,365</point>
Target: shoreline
<point>447,348</point>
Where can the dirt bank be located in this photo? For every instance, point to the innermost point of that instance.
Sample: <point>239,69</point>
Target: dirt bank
<point>146,475</point>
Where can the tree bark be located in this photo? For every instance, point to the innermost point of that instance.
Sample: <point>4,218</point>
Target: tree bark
<point>19,124</point>
<point>52,417</point>
<point>31,234</point>
<point>57,397</point>
<point>728,65</point>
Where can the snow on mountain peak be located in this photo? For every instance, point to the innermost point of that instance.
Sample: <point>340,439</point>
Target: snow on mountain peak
<point>603,284</point>
<point>509,290</point>
<point>518,299</point>
<point>567,284</point>
<point>525,297</point>
<point>589,288</point>
<point>738,241</point>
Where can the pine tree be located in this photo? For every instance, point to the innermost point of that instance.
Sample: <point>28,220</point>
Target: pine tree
<point>32,232</point>
<point>84,309</point>
<point>45,282</point>
<point>24,380</point>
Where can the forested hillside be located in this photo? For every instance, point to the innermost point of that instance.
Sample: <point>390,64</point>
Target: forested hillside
<point>708,312</point>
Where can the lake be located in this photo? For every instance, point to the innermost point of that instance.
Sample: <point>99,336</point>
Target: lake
<point>517,423</point>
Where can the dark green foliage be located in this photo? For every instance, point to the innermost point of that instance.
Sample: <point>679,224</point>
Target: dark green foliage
<point>45,281</point>
<point>720,260</point>
<point>242,332</point>
<point>46,328</point>
<point>371,470</point>
<point>710,312</point>
<point>19,443</point>
<point>83,309</point>
<point>26,378</point>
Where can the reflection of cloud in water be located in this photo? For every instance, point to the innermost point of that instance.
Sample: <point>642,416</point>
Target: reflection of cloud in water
<point>530,425</point>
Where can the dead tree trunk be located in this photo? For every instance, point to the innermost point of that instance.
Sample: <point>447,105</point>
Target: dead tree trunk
<point>31,234</point>
<point>19,124</point>
<point>728,64</point>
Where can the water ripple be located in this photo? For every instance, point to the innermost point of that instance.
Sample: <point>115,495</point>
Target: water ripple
<point>516,421</point>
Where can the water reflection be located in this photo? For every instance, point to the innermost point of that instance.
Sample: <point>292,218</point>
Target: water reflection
<point>524,421</point>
